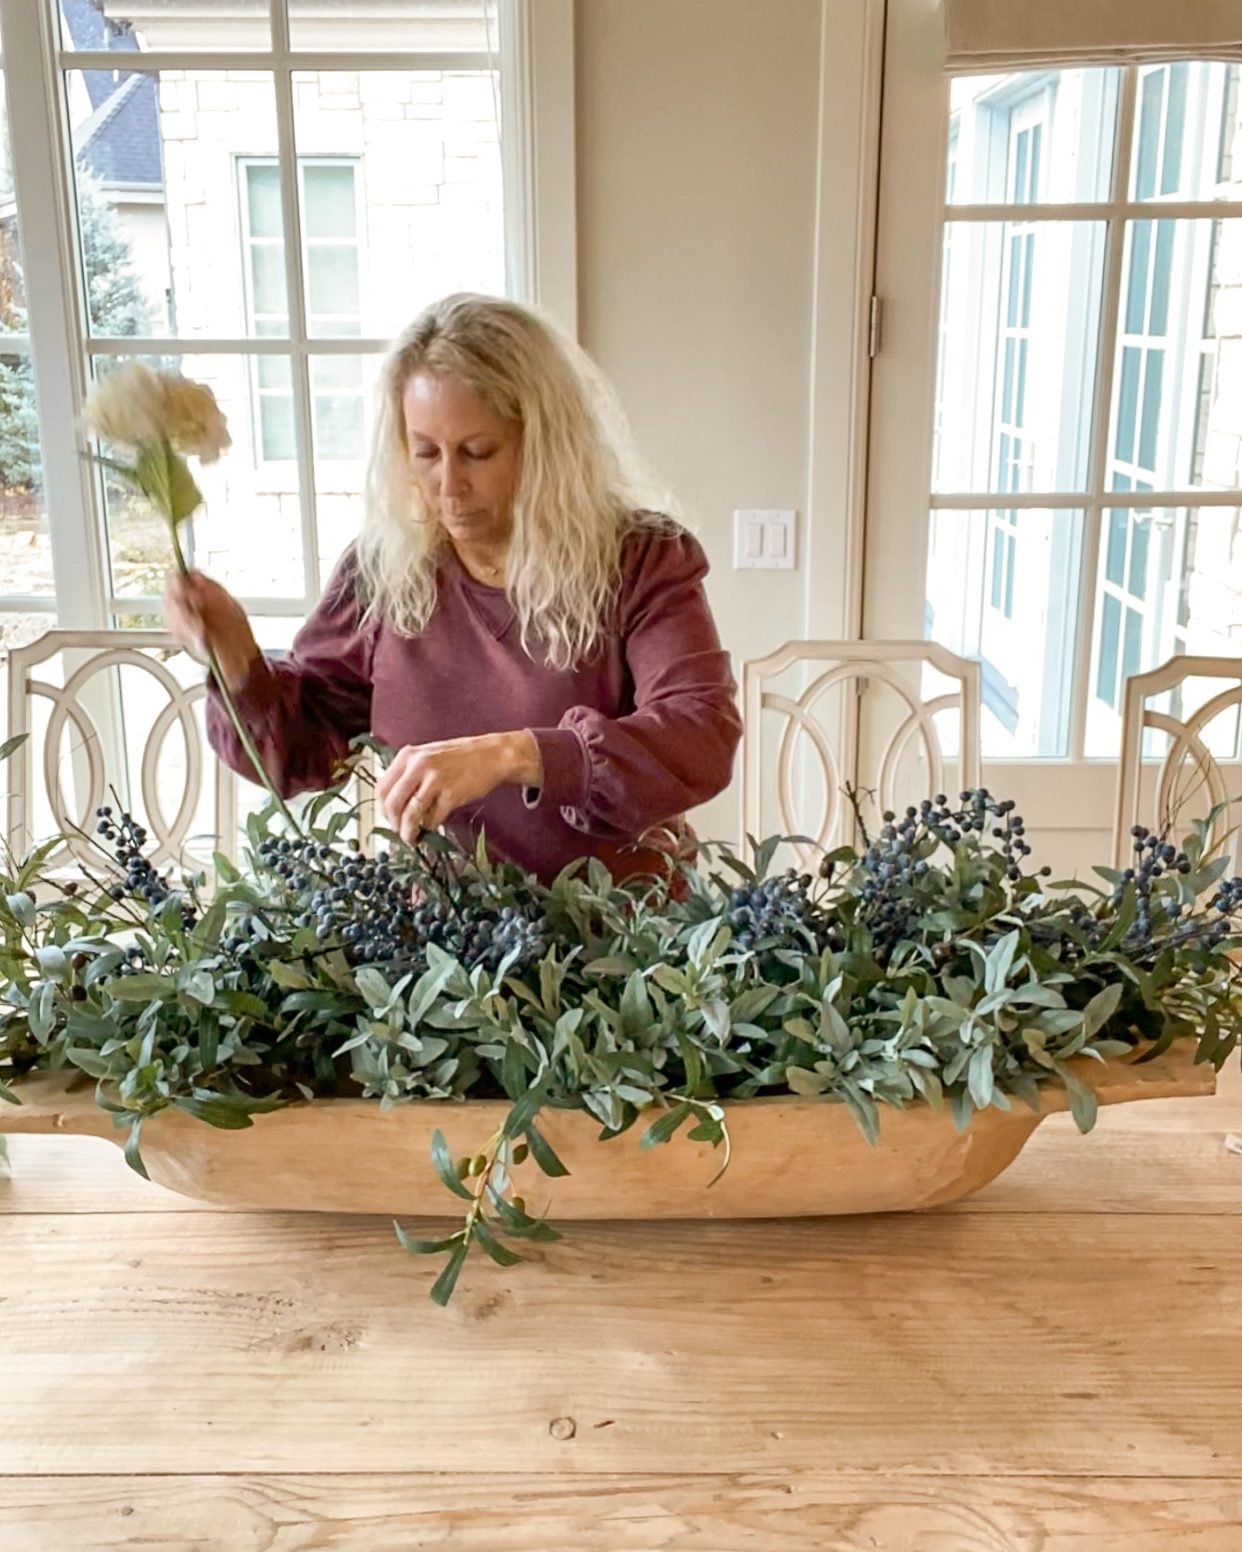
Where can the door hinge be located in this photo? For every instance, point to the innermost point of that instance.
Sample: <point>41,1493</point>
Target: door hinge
<point>873,329</point>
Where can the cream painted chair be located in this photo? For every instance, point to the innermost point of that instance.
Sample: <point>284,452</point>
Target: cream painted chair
<point>1191,778</point>
<point>187,800</point>
<point>849,666</point>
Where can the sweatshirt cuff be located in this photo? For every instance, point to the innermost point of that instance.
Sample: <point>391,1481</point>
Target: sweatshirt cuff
<point>255,694</point>
<point>565,770</point>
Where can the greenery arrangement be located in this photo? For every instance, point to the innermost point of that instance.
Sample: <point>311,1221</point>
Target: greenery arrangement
<point>929,964</point>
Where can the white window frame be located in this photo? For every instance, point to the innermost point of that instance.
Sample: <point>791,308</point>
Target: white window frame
<point>1059,794</point>
<point>535,58</point>
<point>278,470</point>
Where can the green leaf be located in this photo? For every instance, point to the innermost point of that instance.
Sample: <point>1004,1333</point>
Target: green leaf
<point>201,987</point>
<point>424,1247</point>
<point>143,987</point>
<point>22,907</point>
<point>40,1011</point>
<point>220,1110</point>
<point>524,1112</point>
<point>427,988</point>
<point>662,1129</point>
<point>446,1169</point>
<point>979,1076</point>
<point>862,1107</point>
<point>1082,1101</point>
<point>764,853</point>
<point>442,1289</point>
<point>52,960</point>
<point>12,745</point>
<point>801,1080</point>
<point>1101,1008</point>
<point>542,1152</point>
<point>499,1253</point>
<point>292,977</point>
<point>226,873</point>
<point>1000,961</point>
<point>374,986</point>
<point>132,1156</point>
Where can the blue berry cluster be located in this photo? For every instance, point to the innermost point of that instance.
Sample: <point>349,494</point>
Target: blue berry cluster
<point>1160,913</point>
<point>779,909</point>
<point>126,838</point>
<point>382,914</point>
<point>896,879</point>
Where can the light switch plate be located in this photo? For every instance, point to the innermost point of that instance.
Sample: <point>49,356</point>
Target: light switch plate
<point>764,540</point>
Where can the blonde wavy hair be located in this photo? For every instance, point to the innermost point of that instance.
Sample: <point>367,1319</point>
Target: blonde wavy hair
<point>580,487</point>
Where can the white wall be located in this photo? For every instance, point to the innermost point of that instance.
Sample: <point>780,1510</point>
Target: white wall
<point>697,124</point>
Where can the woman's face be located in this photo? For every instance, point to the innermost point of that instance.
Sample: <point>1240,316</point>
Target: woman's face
<point>463,457</point>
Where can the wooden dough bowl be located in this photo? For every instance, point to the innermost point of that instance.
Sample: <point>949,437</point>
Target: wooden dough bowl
<point>792,1156</point>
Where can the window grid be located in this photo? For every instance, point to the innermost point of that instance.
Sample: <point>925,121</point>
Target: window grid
<point>335,381</point>
<point>326,372</point>
<point>1150,123</point>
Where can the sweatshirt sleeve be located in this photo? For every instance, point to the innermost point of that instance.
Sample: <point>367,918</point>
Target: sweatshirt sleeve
<point>302,709</point>
<point>617,777</point>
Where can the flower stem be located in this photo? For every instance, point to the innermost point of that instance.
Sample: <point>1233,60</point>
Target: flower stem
<point>230,706</point>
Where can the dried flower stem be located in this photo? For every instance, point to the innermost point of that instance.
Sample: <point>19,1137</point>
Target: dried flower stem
<point>230,706</point>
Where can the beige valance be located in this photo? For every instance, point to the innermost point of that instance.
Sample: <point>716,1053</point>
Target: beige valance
<point>1000,35</point>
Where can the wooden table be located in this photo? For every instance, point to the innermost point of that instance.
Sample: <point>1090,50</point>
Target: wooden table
<point>1053,1366</point>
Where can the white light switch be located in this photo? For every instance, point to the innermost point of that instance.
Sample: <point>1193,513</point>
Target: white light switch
<point>763,540</point>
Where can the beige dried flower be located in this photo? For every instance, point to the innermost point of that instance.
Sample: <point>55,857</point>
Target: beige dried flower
<point>126,407</point>
<point>192,420</point>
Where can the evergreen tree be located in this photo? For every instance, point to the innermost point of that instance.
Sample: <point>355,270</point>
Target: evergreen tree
<point>115,303</point>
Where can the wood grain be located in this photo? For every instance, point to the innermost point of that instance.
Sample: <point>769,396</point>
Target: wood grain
<point>769,1512</point>
<point>1050,1366</point>
<point>959,1344</point>
<point>1164,1156</point>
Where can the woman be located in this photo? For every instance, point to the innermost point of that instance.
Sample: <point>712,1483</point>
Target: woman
<point>534,642</point>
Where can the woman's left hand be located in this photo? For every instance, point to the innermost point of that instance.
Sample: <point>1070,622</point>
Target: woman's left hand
<point>426,782</point>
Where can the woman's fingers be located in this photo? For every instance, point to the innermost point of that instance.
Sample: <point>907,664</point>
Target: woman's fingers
<point>408,795</point>
<point>397,786</point>
<point>419,814</point>
<point>183,615</point>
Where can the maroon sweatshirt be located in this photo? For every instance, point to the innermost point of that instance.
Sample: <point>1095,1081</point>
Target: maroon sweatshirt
<point>629,740</point>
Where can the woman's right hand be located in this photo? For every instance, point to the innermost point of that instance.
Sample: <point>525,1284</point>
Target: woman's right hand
<point>204,616</point>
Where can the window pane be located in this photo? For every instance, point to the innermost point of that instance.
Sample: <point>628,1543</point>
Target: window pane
<point>274,372</point>
<point>25,549</point>
<point>331,201</point>
<point>1147,139</point>
<point>1003,588</point>
<point>1107,651</point>
<point>268,296</point>
<point>1183,594</point>
<point>424,152</point>
<point>1034,136</point>
<point>277,438</point>
<point>343,390</point>
<point>379,24</point>
<point>338,426</point>
<point>12,284</point>
<point>1185,132</point>
<point>1118,532</point>
<point>263,199</point>
<point>1177,395</point>
<point>331,281</point>
<point>165,24</point>
<point>169,244</point>
<point>248,533</point>
<point>1032,380</point>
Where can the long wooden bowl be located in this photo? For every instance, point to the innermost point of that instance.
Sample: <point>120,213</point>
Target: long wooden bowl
<point>792,1157</point>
